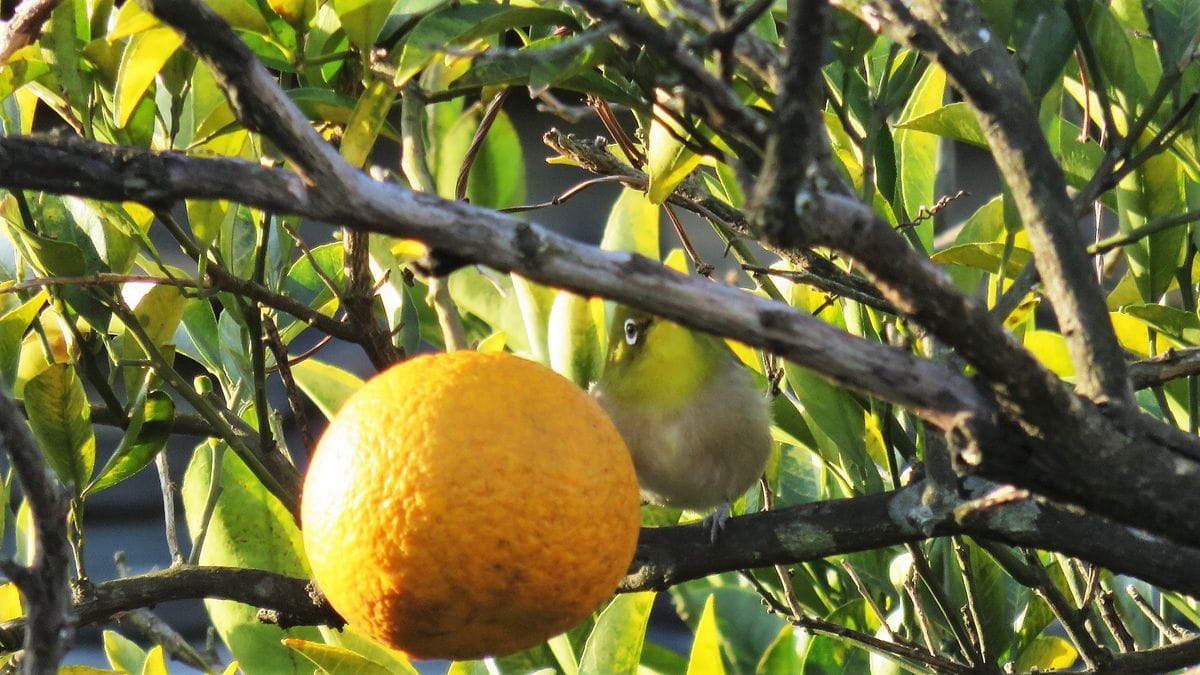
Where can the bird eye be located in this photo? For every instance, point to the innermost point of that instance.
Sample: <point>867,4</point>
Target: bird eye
<point>631,332</point>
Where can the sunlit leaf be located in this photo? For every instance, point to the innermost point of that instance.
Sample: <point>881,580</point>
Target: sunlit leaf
<point>1048,652</point>
<point>954,121</point>
<point>328,386</point>
<point>918,151</point>
<point>632,225</point>
<point>143,58</point>
<point>574,339</point>
<point>336,660</point>
<point>706,646</point>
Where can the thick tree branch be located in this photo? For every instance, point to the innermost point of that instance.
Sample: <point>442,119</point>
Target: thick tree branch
<point>24,26</point>
<point>292,597</point>
<point>672,555</point>
<point>951,34</point>
<point>1165,367</point>
<point>806,532</point>
<point>45,584</point>
<point>85,168</point>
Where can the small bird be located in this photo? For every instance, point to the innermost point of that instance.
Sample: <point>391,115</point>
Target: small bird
<point>697,427</point>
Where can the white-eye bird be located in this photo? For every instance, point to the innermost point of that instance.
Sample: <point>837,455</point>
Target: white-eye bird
<point>697,427</point>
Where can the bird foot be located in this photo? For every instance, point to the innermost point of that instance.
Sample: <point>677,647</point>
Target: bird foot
<point>715,521</point>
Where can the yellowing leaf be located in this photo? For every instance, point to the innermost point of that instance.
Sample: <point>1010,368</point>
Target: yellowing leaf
<point>10,602</point>
<point>706,647</point>
<point>493,344</point>
<point>1048,652</point>
<point>1051,349</point>
<point>144,56</point>
<point>335,660</point>
<point>156,662</point>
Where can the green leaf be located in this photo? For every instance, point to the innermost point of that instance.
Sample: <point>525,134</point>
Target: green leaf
<point>576,351</point>
<point>201,343</point>
<point>461,24</point>
<point>122,653</point>
<point>13,325</point>
<point>669,160</point>
<point>998,600</point>
<point>490,297</point>
<point>347,637</point>
<point>497,177</point>
<point>918,151</point>
<point>534,301</point>
<point>1130,64</point>
<point>1175,24</point>
<point>146,436</point>
<point>615,644</point>
<point>954,121</point>
<point>781,656</point>
<point>988,257</point>
<point>551,61</point>
<point>632,225</point>
<point>61,419</point>
<point>111,230</point>
<point>328,386</point>
<point>1047,653</point>
<point>362,20</point>
<point>1176,324</point>
<point>65,36</point>
<point>837,423</point>
<point>241,14</point>
<point>1154,189</point>
<point>706,646</point>
<point>1044,41</point>
<point>368,119</point>
<point>52,257</point>
<point>143,58</point>
<point>159,309</point>
<point>336,660</point>
<point>248,528</point>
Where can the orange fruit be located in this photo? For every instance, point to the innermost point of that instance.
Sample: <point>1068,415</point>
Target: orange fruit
<point>463,505</point>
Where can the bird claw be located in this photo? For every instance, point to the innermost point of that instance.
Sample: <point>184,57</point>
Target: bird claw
<point>715,521</point>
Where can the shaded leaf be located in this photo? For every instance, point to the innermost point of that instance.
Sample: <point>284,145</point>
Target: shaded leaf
<point>615,643</point>
<point>61,419</point>
<point>146,436</point>
<point>248,528</point>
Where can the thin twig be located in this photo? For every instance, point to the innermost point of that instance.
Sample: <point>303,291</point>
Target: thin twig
<point>167,486</point>
<point>284,367</point>
<point>1168,632</point>
<point>490,113</point>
